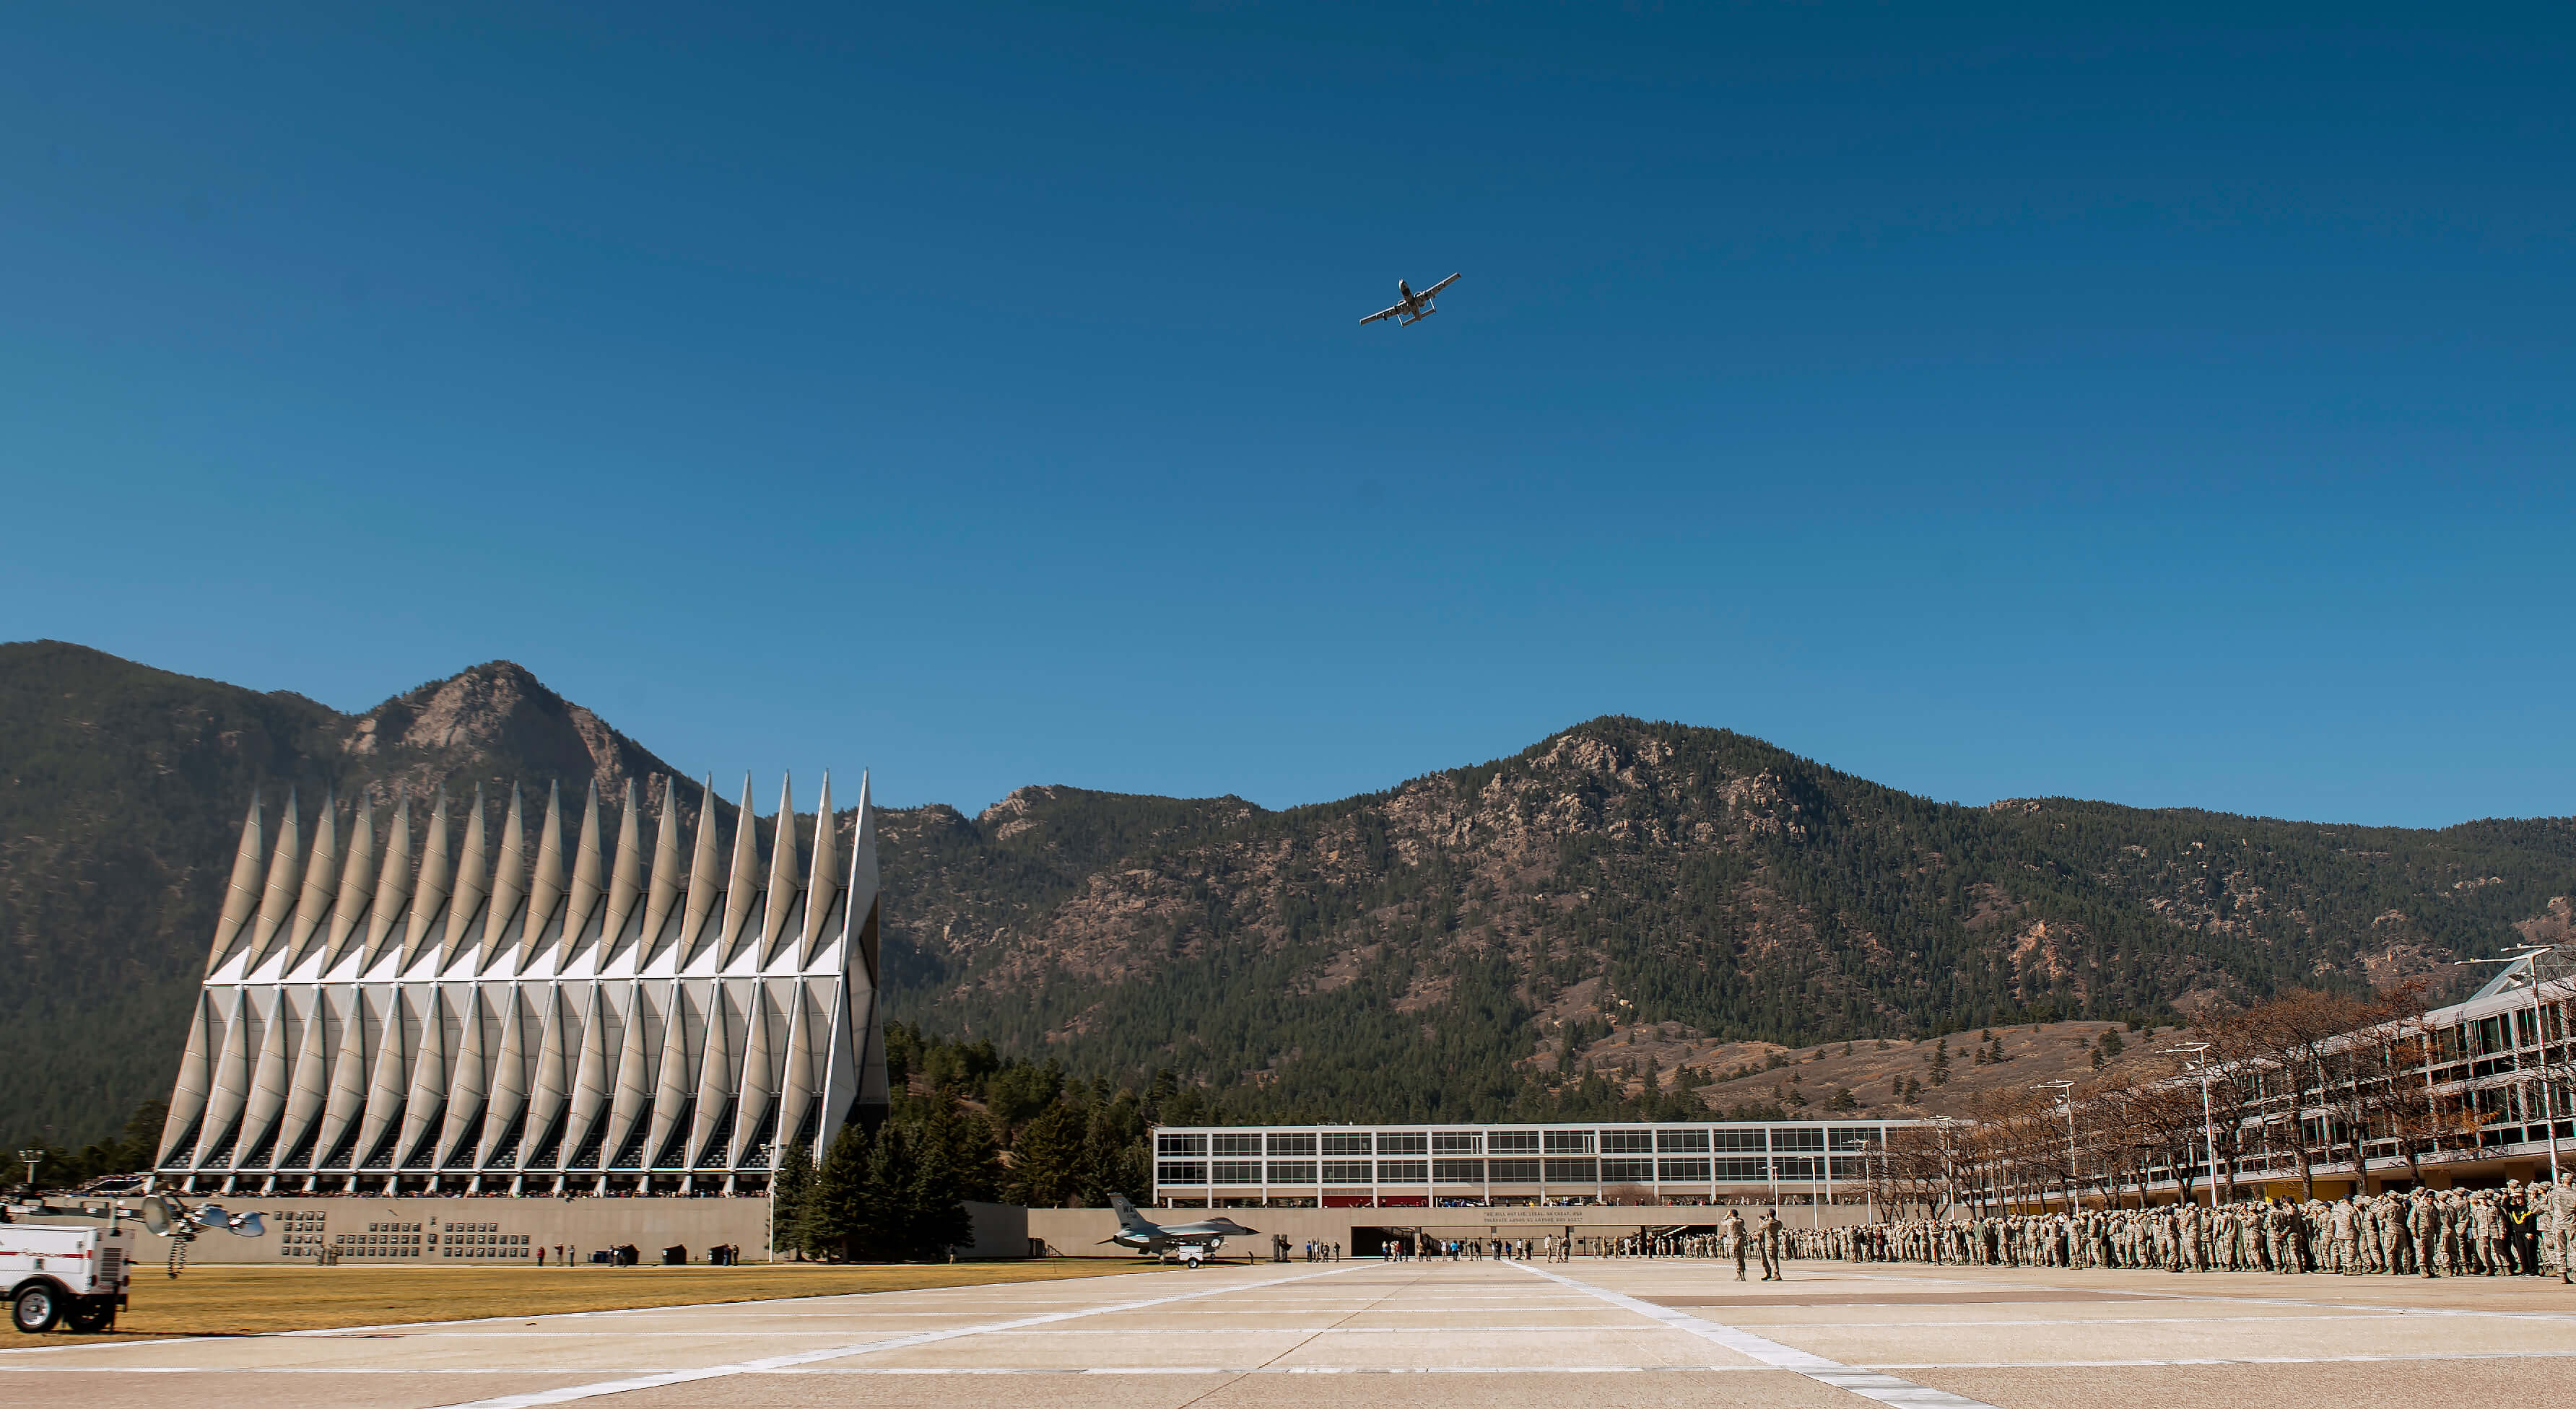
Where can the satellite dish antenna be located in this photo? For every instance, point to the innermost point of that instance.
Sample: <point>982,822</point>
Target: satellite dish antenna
<point>156,1216</point>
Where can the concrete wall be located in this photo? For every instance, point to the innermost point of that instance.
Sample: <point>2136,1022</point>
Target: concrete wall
<point>1079,1232</point>
<point>299,1229</point>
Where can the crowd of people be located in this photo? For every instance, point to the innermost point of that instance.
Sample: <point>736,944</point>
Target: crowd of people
<point>2517,1230</point>
<point>2513,1231</point>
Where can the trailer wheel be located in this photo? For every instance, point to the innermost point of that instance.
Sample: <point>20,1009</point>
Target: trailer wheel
<point>37,1308</point>
<point>91,1316</point>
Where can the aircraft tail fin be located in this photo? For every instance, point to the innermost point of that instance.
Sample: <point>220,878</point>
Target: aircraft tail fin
<point>1127,1215</point>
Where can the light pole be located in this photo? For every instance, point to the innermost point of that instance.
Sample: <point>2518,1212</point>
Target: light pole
<point>2065,1093</point>
<point>32,1158</point>
<point>2531,953</point>
<point>2548,1105</point>
<point>2549,1116</point>
<point>2195,1057</point>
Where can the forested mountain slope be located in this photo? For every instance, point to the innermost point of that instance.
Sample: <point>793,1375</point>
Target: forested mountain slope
<point>1641,894</point>
<point>1430,951</point>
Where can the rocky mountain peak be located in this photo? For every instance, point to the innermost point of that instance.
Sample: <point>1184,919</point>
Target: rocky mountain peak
<point>1009,817</point>
<point>471,707</point>
<point>493,720</point>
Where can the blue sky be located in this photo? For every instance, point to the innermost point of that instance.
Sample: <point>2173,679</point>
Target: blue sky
<point>1992,402</point>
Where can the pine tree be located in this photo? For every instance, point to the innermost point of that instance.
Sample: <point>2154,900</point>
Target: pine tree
<point>934,1214</point>
<point>887,1224</point>
<point>1047,1159</point>
<point>792,1202</point>
<point>1113,1150</point>
<point>836,1224</point>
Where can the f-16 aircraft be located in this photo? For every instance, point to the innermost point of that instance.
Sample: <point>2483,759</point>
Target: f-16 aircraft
<point>1411,307</point>
<point>1194,1242</point>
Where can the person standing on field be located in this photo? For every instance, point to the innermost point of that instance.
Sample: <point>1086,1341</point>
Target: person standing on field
<point>2562,1211</point>
<point>2424,1224</point>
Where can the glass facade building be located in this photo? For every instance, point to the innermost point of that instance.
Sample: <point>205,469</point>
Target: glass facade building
<point>2496,1075</point>
<point>1416,1166</point>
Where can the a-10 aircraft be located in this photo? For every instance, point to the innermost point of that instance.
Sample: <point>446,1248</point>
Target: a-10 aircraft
<point>1411,307</point>
<point>1193,1241</point>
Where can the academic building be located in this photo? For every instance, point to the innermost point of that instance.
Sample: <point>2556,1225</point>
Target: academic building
<point>583,1004</point>
<point>2496,1067</point>
<point>1432,1166</point>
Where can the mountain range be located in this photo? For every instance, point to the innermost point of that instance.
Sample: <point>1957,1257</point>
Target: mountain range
<point>1619,910</point>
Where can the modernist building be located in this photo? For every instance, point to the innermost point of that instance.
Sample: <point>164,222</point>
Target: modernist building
<point>390,1013</point>
<point>1420,1166</point>
<point>2501,1063</point>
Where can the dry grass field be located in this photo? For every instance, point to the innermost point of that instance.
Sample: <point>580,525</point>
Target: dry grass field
<point>231,1301</point>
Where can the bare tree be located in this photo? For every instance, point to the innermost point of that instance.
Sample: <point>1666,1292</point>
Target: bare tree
<point>1915,1170</point>
<point>2303,1036</point>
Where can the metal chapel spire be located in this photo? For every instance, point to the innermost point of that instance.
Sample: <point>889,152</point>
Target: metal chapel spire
<point>532,1016</point>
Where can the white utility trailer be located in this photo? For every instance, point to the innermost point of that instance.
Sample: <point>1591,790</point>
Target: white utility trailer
<point>69,1275</point>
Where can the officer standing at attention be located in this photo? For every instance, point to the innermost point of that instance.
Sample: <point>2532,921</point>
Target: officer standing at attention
<point>2562,1223</point>
<point>1735,1240</point>
<point>1770,1233</point>
<point>2424,1221</point>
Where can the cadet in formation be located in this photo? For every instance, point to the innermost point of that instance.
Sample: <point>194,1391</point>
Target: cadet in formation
<point>2514,1231</point>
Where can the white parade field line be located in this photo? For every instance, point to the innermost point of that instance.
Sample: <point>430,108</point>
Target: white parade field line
<point>1886,1389</point>
<point>569,1393</point>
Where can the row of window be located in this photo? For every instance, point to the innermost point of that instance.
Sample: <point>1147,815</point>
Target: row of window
<point>1510,1171</point>
<point>2519,1027</point>
<point>1328,1144</point>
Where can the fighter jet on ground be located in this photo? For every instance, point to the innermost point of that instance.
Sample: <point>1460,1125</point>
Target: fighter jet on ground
<point>1411,307</point>
<point>1193,1241</point>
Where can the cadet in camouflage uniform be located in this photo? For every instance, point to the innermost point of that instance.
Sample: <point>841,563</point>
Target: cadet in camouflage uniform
<point>2561,1212</point>
<point>2344,1225</point>
<point>2424,1224</point>
<point>2486,1225</point>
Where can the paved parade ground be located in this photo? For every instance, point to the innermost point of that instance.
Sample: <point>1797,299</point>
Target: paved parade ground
<point>1488,1334</point>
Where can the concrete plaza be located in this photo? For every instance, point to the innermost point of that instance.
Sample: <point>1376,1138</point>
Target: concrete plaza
<point>1487,1334</point>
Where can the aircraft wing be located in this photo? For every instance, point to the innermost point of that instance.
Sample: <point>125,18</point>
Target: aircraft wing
<point>1388,312</point>
<point>1435,288</point>
<point>1210,1228</point>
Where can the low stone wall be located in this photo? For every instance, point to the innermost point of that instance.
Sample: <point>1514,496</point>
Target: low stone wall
<point>505,1231</point>
<point>1081,1232</point>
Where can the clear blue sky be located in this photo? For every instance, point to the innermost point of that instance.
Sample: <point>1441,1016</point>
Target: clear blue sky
<point>1989,402</point>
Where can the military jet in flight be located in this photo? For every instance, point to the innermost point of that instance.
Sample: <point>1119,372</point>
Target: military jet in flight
<point>1411,307</point>
<point>1194,1242</point>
